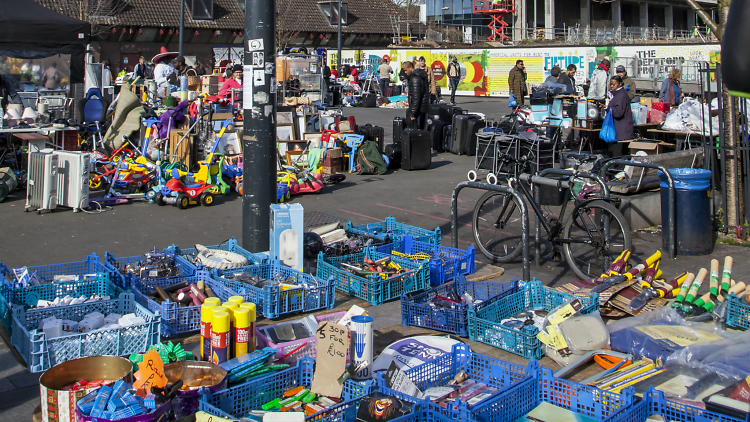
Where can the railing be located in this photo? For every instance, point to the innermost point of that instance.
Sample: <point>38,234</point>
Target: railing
<point>630,34</point>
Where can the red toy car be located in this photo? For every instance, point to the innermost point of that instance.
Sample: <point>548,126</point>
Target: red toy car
<point>176,193</point>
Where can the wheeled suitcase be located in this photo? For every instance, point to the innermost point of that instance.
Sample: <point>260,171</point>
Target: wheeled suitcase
<point>447,138</point>
<point>393,153</point>
<point>399,125</point>
<point>373,133</point>
<point>460,127</point>
<point>469,146</point>
<point>433,112</point>
<point>415,147</point>
<point>436,135</point>
<point>446,113</point>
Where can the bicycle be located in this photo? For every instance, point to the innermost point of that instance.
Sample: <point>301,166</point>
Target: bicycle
<point>593,235</point>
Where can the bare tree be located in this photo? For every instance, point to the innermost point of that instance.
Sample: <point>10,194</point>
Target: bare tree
<point>91,10</point>
<point>731,162</point>
<point>288,19</point>
<point>411,7</point>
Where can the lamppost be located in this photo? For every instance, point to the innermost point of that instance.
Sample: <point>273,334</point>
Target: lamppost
<point>442,16</point>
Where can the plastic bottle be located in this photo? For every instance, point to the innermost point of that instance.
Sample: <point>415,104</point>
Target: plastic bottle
<point>207,314</point>
<point>220,337</point>
<point>241,333</point>
<point>251,335</point>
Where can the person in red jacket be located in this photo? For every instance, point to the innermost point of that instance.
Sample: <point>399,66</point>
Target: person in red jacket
<point>235,82</point>
<point>354,75</point>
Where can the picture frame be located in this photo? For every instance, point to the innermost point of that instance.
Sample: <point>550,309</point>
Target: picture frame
<point>284,117</point>
<point>301,126</point>
<point>284,132</point>
<point>313,137</point>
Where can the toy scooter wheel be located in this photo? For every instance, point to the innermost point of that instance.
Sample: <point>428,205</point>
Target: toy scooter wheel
<point>182,201</point>
<point>95,182</point>
<point>207,199</point>
<point>159,199</point>
<point>472,175</point>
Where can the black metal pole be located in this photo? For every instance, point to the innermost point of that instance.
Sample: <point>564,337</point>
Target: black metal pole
<point>338,51</point>
<point>182,27</point>
<point>259,125</point>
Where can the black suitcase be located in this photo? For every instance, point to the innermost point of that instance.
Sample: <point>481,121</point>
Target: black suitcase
<point>416,153</point>
<point>399,125</point>
<point>373,133</point>
<point>470,141</point>
<point>447,138</point>
<point>446,113</point>
<point>460,126</point>
<point>393,153</point>
<point>436,135</point>
<point>433,112</point>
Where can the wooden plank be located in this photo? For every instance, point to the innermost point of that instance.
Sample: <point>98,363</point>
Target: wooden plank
<point>485,273</point>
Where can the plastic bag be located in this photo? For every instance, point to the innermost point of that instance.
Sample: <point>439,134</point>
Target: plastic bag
<point>580,333</point>
<point>608,133</point>
<point>512,100</point>
<point>655,116</point>
<point>674,122</point>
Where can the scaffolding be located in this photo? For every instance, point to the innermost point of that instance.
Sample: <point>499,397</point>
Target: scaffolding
<point>496,10</point>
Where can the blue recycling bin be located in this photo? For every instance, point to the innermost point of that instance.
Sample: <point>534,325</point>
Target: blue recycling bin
<point>694,231</point>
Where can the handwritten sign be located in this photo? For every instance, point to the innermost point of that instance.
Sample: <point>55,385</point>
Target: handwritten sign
<point>150,373</point>
<point>332,345</point>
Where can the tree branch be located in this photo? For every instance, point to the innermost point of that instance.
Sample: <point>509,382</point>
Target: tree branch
<point>718,31</point>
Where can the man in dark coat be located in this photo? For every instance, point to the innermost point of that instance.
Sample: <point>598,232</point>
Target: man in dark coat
<point>619,106</point>
<point>418,95</point>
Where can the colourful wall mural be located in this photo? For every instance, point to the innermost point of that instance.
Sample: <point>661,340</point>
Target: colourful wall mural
<point>485,72</point>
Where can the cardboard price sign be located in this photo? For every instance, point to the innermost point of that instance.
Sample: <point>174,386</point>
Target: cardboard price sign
<point>150,373</point>
<point>332,345</point>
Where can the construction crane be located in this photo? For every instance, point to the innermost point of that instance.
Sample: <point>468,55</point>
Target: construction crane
<point>496,10</point>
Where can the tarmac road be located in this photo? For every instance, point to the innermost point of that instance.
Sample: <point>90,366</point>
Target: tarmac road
<point>420,198</point>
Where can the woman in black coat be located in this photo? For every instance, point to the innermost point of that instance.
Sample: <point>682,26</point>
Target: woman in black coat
<point>619,106</point>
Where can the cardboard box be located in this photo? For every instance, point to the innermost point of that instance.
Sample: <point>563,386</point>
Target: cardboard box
<point>334,161</point>
<point>209,80</point>
<point>185,150</point>
<point>650,148</point>
<point>210,89</point>
<point>286,233</point>
<point>648,101</point>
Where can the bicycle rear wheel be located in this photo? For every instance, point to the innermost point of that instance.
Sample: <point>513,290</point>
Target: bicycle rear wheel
<point>497,226</point>
<point>594,235</point>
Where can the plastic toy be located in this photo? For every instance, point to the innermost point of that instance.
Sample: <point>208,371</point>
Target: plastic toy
<point>210,173</point>
<point>283,192</point>
<point>177,193</point>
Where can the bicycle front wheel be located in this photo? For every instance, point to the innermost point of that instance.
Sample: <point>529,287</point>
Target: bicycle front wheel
<point>497,226</point>
<point>594,235</point>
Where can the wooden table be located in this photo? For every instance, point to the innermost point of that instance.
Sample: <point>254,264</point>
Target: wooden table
<point>590,139</point>
<point>679,142</point>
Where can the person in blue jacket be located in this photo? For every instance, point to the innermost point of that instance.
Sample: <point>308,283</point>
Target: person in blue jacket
<point>619,106</point>
<point>670,91</point>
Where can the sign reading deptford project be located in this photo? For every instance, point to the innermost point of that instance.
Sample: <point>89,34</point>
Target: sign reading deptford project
<point>484,72</point>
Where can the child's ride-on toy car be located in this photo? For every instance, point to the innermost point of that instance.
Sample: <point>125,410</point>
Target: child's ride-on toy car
<point>176,193</point>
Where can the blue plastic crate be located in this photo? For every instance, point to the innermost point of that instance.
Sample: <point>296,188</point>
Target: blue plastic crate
<point>230,246</point>
<point>493,372</point>
<point>272,301</point>
<point>29,296</point>
<point>177,319</point>
<point>521,398</point>
<point>445,263</point>
<point>184,268</point>
<point>25,295</point>
<point>418,310</point>
<point>239,400</point>
<point>41,353</point>
<point>738,313</point>
<point>373,288</point>
<point>484,319</point>
<point>654,403</point>
<point>394,231</point>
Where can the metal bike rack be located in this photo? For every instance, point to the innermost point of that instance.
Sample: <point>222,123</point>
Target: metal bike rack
<point>501,189</point>
<point>671,229</point>
<point>541,180</point>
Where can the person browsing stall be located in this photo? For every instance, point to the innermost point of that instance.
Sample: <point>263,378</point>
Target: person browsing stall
<point>568,79</point>
<point>234,82</point>
<point>418,95</point>
<point>619,106</point>
<point>385,70</point>
<point>627,81</point>
<point>670,91</point>
<point>599,78</point>
<point>163,71</point>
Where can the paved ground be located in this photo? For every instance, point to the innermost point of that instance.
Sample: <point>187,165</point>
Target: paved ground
<point>417,198</point>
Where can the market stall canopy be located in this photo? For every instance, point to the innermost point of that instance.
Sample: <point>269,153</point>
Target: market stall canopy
<point>29,30</point>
